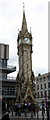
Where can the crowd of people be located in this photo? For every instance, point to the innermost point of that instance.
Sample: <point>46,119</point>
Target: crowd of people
<point>18,108</point>
<point>25,107</point>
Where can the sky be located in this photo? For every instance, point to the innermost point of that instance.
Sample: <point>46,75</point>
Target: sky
<point>11,14</point>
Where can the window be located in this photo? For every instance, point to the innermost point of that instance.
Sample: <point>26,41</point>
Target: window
<point>38,94</point>
<point>7,90</point>
<point>45,85</point>
<point>44,78</point>
<point>49,85</point>
<point>40,79</point>
<point>2,92</point>
<point>45,93</point>
<point>41,93</point>
<point>37,80</point>
<point>49,93</point>
<point>4,76</point>
<point>41,86</point>
<point>48,77</point>
<point>4,63</point>
<point>0,76</point>
<point>37,87</point>
<point>0,62</point>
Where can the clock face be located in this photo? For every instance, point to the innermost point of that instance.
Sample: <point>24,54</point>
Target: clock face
<point>19,41</point>
<point>27,40</point>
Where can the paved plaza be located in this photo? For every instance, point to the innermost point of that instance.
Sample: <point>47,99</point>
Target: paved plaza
<point>28,116</point>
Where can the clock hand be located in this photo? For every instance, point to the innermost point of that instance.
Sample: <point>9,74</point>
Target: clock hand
<point>27,39</point>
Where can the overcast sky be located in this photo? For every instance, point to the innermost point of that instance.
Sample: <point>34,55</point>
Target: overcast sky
<point>11,13</point>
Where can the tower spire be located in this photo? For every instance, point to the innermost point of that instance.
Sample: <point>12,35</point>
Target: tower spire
<point>24,31</point>
<point>24,23</point>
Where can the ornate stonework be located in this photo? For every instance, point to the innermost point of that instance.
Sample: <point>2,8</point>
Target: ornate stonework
<point>25,78</point>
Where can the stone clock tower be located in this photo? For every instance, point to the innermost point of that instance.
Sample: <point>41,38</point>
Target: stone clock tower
<point>25,78</point>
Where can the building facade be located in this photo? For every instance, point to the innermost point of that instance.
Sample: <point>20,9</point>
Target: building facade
<point>25,79</point>
<point>43,88</point>
<point>7,84</point>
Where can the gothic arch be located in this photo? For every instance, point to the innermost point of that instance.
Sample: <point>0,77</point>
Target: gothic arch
<point>29,98</point>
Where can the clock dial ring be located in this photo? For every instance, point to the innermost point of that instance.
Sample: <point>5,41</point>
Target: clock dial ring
<point>27,40</point>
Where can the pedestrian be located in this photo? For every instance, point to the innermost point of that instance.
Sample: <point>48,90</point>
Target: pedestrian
<point>19,109</point>
<point>3,105</point>
<point>31,108</point>
<point>12,110</point>
<point>34,108</point>
<point>16,109</point>
<point>47,110</point>
<point>25,108</point>
<point>43,109</point>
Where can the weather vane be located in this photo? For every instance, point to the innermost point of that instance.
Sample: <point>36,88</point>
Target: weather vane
<point>23,7</point>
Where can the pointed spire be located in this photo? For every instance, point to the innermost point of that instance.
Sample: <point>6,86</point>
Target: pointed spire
<point>24,31</point>
<point>24,23</point>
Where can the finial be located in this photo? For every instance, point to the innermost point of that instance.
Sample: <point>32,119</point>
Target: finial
<point>30,29</point>
<point>18,30</point>
<point>23,7</point>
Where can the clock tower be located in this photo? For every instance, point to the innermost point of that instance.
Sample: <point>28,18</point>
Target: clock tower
<point>25,78</point>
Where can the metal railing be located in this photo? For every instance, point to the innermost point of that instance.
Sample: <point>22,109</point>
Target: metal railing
<point>8,66</point>
<point>11,78</point>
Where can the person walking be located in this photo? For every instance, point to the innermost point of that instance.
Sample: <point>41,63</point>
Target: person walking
<point>43,109</point>
<point>25,108</point>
